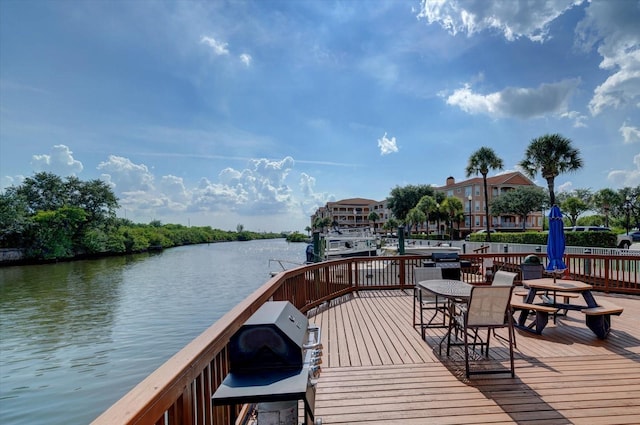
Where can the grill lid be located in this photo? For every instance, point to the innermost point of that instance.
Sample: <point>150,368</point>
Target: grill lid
<point>439,257</point>
<point>272,338</point>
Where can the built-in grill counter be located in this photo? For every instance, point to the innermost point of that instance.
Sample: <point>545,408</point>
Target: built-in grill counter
<point>274,361</point>
<point>449,262</point>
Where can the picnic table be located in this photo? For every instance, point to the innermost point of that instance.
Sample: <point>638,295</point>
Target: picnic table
<point>597,315</point>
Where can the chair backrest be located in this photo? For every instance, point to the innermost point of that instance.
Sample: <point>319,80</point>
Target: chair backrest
<point>503,278</point>
<point>489,305</point>
<point>426,273</point>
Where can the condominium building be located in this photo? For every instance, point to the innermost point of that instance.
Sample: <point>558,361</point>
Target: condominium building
<point>471,193</point>
<point>354,212</point>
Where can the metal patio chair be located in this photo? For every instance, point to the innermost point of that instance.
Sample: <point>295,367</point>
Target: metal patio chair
<point>426,300</point>
<point>503,278</point>
<point>488,308</point>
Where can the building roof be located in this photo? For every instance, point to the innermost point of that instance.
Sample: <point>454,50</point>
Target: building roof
<point>354,201</point>
<point>513,178</point>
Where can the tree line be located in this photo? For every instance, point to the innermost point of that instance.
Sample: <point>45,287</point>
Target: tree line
<point>49,217</point>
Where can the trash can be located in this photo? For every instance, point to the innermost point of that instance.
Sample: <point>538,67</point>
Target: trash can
<point>531,267</point>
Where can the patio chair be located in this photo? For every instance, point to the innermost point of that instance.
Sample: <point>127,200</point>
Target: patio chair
<point>503,278</point>
<point>428,300</point>
<point>488,308</point>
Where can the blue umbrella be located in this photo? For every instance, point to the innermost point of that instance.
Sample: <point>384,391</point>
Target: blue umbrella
<point>555,241</point>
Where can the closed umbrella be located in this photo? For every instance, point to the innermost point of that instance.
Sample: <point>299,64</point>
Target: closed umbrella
<point>555,241</point>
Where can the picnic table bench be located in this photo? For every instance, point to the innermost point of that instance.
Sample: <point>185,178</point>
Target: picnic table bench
<point>598,318</point>
<point>542,315</point>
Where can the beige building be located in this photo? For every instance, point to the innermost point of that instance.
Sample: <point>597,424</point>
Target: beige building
<point>348,213</point>
<point>471,193</point>
<point>354,212</point>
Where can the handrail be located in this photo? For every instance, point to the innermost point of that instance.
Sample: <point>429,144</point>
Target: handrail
<point>179,392</point>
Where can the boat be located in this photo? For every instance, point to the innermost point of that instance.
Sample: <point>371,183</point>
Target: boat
<point>377,368</point>
<point>344,243</point>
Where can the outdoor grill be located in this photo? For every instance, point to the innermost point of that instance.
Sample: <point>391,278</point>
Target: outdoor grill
<point>274,361</point>
<point>449,262</point>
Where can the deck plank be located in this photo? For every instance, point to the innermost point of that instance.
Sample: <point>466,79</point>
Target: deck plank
<point>378,370</point>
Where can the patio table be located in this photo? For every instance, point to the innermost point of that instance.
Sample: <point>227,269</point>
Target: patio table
<point>454,291</point>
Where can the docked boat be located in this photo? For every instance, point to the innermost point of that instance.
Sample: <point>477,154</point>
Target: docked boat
<point>345,243</point>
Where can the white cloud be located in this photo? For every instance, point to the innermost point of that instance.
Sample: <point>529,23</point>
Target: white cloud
<point>630,134</point>
<point>514,18</point>
<point>246,59</point>
<point>218,47</point>
<point>311,199</point>
<point>565,187</point>
<point>516,102</point>
<point>60,162</point>
<point>578,118</point>
<point>125,175</point>
<point>387,145</point>
<point>626,178</point>
<point>613,26</point>
<point>258,190</point>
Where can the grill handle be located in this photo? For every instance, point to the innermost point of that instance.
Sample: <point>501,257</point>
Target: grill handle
<point>314,338</point>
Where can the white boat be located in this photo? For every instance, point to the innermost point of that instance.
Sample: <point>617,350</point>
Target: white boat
<point>343,243</point>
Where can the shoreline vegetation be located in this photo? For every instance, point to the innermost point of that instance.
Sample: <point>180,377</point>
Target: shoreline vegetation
<point>128,239</point>
<point>48,219</point>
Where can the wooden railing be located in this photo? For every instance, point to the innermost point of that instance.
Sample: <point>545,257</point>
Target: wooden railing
<point>179,392</point>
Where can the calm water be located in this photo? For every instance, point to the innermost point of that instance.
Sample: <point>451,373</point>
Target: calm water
<point>75,337</point>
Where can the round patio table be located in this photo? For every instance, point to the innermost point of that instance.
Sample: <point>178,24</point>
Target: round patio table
<point>447,288</point>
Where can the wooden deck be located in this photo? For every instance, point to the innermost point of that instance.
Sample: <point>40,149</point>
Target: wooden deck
<point>377,370</point>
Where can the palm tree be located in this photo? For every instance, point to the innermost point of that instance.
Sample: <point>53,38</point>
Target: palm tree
<point>453,208</point>
<point>415,217</point>
<point>373,216</point>
<point>480,162</point>
<point>552,155</point>
<point>427,205</point>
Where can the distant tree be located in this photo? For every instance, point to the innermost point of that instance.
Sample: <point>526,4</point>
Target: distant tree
<point>604,201</point>
<point>415,217</point>
<point>239,228</point>
<point>481,162</point>
<point>521,201</point>
<point>308,229</point>
<point>14,219</point>
<point>373,217</point>
<point>551,155</point>
<point>391,224</point>
<point>428,205</point>
<point>321,223</point>
<point>572,207</point>
<point>453,208</point>
<point>403,199</point>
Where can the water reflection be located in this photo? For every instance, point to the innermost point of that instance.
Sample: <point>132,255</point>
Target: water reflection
<point>75,337</point>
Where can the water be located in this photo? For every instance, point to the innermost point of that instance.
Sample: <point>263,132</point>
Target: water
<point>75,337</point>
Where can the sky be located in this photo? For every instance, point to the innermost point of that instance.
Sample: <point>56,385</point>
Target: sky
<point>256,113</point>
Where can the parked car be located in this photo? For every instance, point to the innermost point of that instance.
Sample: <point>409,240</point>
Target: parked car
<point>587,229</point>
<point>623,241</point>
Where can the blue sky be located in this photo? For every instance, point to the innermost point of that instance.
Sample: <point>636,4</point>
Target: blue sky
<point>257,112</point>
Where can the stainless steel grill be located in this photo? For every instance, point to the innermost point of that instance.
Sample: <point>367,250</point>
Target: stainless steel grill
<point>449,262</point>
<point>273,358</point>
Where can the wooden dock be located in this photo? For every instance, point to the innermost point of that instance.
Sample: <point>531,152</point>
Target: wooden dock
<point>377,370</point>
